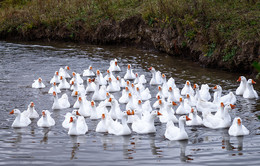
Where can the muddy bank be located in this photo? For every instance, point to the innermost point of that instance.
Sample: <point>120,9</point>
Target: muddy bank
<point>134,31</point>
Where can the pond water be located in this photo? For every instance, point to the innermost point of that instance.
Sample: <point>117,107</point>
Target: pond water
<point>21,63</point>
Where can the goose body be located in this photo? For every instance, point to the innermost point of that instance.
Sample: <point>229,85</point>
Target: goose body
<point>129,73</point>
<point>195,119</point>
<point>21,120</point>
<point>242,86</point>
<point>77,128</point>
<point>88,72</point>
<point>38,84</point>
<point>249,92</point>
<point>63,83</point>
<point>54,88</point>
<point>31,112</point>
<point>64,72</point>
<point>114,66</point>
<point>55,78</point>
<point>46,120</point>
<point>60,103</point>
<point>237,128</point>
<point>156,77</point>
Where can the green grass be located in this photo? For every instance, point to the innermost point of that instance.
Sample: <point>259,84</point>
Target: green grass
<point>221,21</point>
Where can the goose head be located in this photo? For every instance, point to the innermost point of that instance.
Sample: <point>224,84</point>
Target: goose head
<point>15,112</point>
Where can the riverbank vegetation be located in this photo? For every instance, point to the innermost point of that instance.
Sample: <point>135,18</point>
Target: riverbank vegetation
<point>225,26</point>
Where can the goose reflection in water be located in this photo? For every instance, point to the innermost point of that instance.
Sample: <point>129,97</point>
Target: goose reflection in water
<point>45,132</point>
<point>75,140</point>
<point>226,144</point>
<point>182,144</point>
<point>154,149</point>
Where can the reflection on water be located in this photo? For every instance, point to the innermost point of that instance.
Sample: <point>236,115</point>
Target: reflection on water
<point>20,64</point>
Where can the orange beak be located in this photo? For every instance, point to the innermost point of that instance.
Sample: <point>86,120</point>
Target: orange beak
<point>160,102</point>
<point>93,80</point>
<point>222,104</point>
<point>72,82</point>
<point>139,102</point>
<point>117,78</point>
<point>180,99</point>
<point>60,77</point>
<point>232,106</point>
<point>89,80</point>
<point>90,68</point>
<point>158,113</point>
<point>110,79</point>
<point>170,89</point>
<point>215,87</point>
<point>129,66</point>
<point>54,83</point>
<point>57,73</point>
<point>54,93</point>
<point>129,112</point>
<point>239,79</point>
<point>68,67</point>
<point>239,122</point>
<point>107,94</point>
<point>173,103</point>
<point>43,113</point>
<point>71,119</point>
<point>40,80</point>
<point>194,86</point>
<point>150,68</point>
<point>77,113</point>
<point>12,112</point>
<point>253,82</point>
<point>80,99</point>
<point>187,118</point>
<point>126,88</point>
<point>159,88</point>
<point>192,110</point>
<point>98,72</point>
<point>158,97</point>
<point>188,96</point>
<point>76,93</point>
<point>137,89</point>
<point>130,95</point>
<point>92,103</point>
<point>188,83</point>
<point>110,99</point>
<point>103,116</point>
<point>108,71</point>
<point>74,74</point>
<point>163,75</point>
<point>116,63</point>
<point>136,74</point>
<point>32,104</point>
<point>127,82</point>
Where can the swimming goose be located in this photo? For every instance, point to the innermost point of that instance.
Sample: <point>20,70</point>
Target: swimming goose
<point>100,78</point>
<point>115,111</point>
<point>177,133</point>
<point>93,111</point>
<point>204,92</point>
<point>91,86</point>
<point>195,119</point>
<point>112,86</point>
<point>237,128</point>
<point>140,79</point>
<point>102,125</point>
<point>171,83</point>
<point>76,78</point>
<point>99,93</point>
<point>110,75</point>
<point>60,103</point>
<point>165,86</point>
<point>63,83</point>
<point>66,123</point>
<point>46,120</point>
<point>84,108</point>
<point>77,128</point>
<point>187,89</point>
<point>242,86</point>
<point>168,114</point>
<point>129,73</point>
<point>31,112</point>
<point>88,72</point>
<point>156,77</point>
<point>181,109</point>
<point>64,72</point>
<point>20,120</point>
<point>38,84</point>
<point>249,92</point>
<point>54,88</point>
<point>230,98</point>
<point>114,65</point>
<point>124,98</point>
<point>55,78</point>
<point>172,96</point>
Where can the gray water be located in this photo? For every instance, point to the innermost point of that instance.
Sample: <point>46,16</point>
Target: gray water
<point>21,63</point>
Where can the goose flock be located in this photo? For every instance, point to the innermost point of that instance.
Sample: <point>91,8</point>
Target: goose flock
<point>174,107</point>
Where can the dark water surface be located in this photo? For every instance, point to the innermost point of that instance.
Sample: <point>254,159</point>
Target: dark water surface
<point>22,63</point>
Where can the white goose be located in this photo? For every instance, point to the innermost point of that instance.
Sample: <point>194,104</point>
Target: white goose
<point>129,73</point>
<point>88,72</point>
<point>38,84</point>
<point>93,111</point>
<point>140,79</point>
<point>77,128</point>
<point>195,119</point>
<point>165,86</point>
<point>63,83</point>
<point>66,123</point>
<point>55,78</point>
<point>102,125</point>
<point>99,93</point>
<point>172,96</point>
<point>124,98</point>
<point>214,122</point>
<point>76,78</point>
<point>249,92</point>
<point>230,98</point>
<point>91,86</point>
<point>204,92</point>
<point>146,125</point>
<point>64,72</point>
<point>118,128</point>
<point>112,86</point>
<point>31,112</point>
<point>237,128</point>
<point>168,115</point>
<point>242,86</point>
<point>60,103</point>
<point>84,108</point>
<point>54,88</point>
<point>156,77</point>
<point>20,120</point>
<point>100,78</point>
<point>114,65</point>
<point>174,133</point>
<point>181,109</point>
<point>46,120</point>
<point>187,89</point>
<point>110,75</point>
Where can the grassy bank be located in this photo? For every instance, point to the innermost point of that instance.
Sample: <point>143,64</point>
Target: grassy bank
<point>223,24</point>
